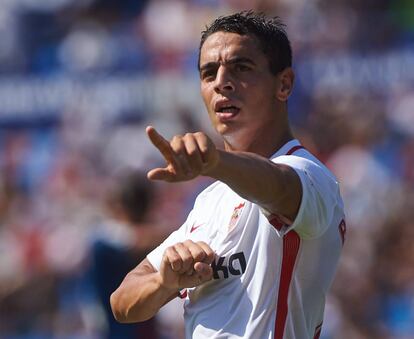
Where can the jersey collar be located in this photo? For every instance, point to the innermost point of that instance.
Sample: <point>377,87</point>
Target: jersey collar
<point>285,148</point>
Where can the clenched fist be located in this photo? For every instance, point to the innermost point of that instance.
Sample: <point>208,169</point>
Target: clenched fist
<point>186,264</point>
<point>187,156</point>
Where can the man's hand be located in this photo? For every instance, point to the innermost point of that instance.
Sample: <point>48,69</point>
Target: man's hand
<point>187,156</point>
<point>186,264</point>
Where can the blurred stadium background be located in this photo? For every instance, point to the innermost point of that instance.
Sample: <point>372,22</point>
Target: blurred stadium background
<point>79,81</point>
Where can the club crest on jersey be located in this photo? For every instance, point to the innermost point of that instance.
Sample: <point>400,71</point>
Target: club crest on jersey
<point>235,216</point>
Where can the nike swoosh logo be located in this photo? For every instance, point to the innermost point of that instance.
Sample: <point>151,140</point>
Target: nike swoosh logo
<point>193,228</point>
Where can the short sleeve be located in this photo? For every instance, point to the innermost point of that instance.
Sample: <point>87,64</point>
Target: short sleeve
<point>155,257</point>
<point>320,198</point>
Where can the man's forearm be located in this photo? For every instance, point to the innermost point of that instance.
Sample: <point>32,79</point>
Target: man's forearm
<point>139,297</point>
<point>275,187</point>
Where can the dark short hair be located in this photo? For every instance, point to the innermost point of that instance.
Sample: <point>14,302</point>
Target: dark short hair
<point>270,33</point>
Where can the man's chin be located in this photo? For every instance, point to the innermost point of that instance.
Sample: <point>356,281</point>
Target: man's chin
<point>226,131</point>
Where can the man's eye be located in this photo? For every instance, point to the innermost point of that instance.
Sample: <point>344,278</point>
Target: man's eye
<point>208,75</point>
<point>242,68</point>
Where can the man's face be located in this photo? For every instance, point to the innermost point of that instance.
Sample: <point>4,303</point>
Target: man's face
<point>238,88</point>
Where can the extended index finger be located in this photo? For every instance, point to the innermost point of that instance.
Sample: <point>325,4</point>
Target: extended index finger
<point>161,143</point>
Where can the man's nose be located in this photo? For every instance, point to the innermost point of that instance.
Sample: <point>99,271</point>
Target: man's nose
<point>224,81</point>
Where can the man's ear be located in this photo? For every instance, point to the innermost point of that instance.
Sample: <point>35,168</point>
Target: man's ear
<point>285,84</point>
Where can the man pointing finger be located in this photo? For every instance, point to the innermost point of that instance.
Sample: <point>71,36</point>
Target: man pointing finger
<point>187,156</point>
<point>258,252</point>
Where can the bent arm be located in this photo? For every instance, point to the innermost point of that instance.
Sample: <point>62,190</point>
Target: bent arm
<point>145,290</point>
<point>275,187</point>
<point>140,295</point>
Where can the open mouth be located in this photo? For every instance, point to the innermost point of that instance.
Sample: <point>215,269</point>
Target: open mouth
<point>227,111</point>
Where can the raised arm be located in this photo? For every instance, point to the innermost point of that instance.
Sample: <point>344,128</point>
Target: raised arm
<point>275,187</point>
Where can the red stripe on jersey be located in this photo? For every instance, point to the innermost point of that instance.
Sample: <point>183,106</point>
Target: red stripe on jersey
<point>275,221</point>
<point>294,149</point>
<point>318,330</point>
<point>291,243</point>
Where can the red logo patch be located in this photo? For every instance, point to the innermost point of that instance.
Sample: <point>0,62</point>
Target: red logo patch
<point>194,227</point>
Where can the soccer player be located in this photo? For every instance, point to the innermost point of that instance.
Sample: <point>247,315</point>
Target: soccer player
<point>258,252</point>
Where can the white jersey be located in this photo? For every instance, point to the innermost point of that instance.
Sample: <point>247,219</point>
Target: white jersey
<point>270,278</point>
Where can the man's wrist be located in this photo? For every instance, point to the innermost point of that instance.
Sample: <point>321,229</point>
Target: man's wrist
<point>214,170</point>
<point>161,285</point>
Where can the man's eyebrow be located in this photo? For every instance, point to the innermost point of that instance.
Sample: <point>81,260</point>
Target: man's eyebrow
<point>231,61</point>
<point>244,60</point>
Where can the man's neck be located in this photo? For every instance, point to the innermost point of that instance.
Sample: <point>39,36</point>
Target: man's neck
<point>264,145</point>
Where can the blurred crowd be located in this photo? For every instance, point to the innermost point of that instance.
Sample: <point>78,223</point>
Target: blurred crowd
<point>80,80</point>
